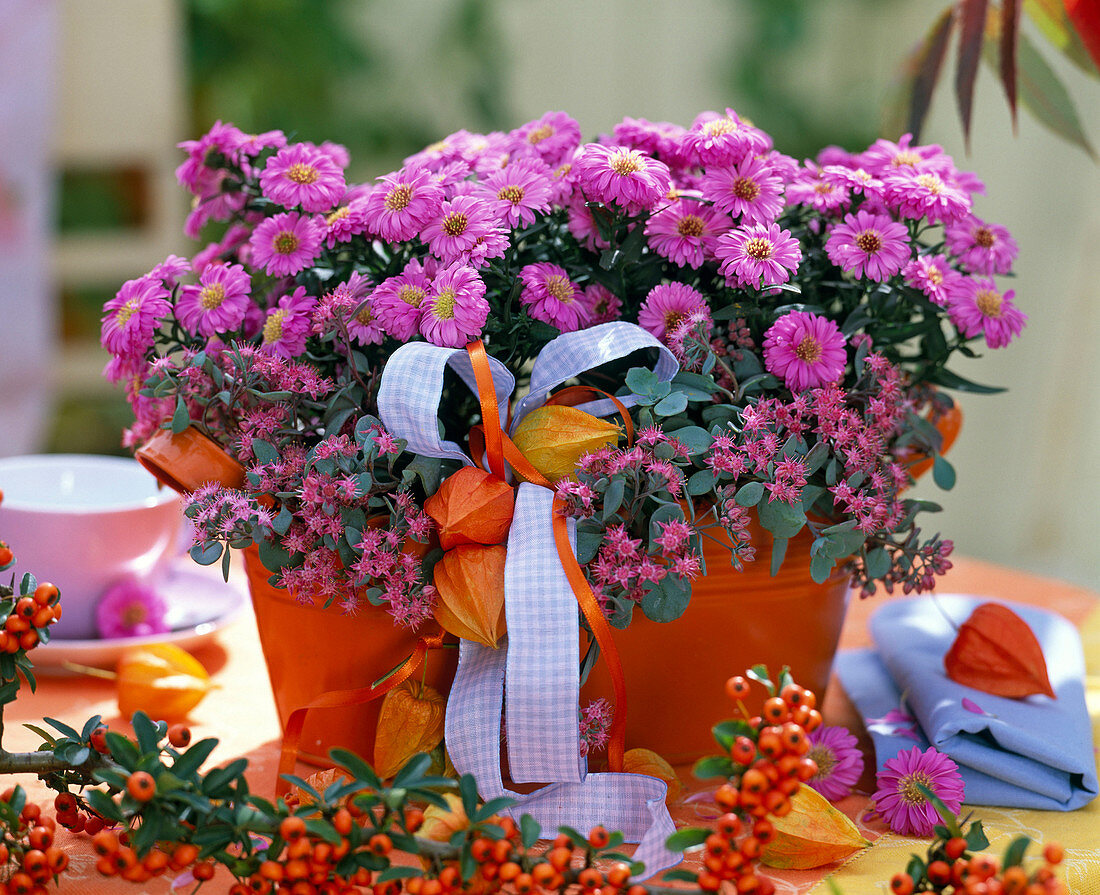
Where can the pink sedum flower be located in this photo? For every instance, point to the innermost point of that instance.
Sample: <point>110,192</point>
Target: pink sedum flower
<point>978,308</point>
<point>667,306</point>
<point>288,324</point>
<point>285,244</point>
<point>218,303</point>
<point>305,176</point>
<point>902,805</point>
<point>686,232</point>
<point>455,310</point>
<point>804,350</point>
<point>758,255</point>
<point>839,762</point>
<point>550,296</point>
<point>981,247</point>
<point>132,317</point>
<point>869,245</point>
<point>620,176</point>
<point>131,609</point>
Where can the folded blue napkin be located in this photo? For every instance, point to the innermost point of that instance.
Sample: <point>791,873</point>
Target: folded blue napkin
<point>1034,752</point>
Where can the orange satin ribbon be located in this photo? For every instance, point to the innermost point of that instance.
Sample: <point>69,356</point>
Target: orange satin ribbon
<point>335,699</point>
<point>500,448</point>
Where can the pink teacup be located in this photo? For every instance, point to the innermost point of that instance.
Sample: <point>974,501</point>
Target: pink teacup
<point>85,522</point>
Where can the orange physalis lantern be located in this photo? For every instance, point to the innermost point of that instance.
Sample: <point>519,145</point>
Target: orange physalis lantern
<point>996,652</point>
<point>161,680</point>
<point>471,507</point>
<point>554,437</point>
<point>410,721</point>
<point>470,581</point>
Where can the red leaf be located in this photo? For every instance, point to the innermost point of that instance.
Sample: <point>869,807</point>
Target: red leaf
<point>925,64</point>
<point>1010,28</point>
<point>973,14</point>
<point>1085,15</point>
<point>996,652</point>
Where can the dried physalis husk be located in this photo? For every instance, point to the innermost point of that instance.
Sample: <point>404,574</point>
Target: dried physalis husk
<point>471,507</point>
<point>410,721</point>
<point>812,834</point>
<point>554,437</point>
<point>161,680</point>
<point>996,652</point>
<point>646,761</point>
<point>470,582</point>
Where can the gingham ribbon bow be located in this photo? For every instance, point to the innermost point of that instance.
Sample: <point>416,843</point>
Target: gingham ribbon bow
<point>537,666</point>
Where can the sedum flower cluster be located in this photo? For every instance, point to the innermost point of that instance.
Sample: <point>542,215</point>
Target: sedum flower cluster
<point>813,305</point>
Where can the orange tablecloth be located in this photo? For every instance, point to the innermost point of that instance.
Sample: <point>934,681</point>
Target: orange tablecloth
<point>241,712</point>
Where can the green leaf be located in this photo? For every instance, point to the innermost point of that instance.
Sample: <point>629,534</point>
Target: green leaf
<point>749,494</point>
<point>943,473</point>
<point>701,482</point>
<point>675,403</point>
<point>428,469</point>
<point>467,788</point>
<point>265,451</point>
<point>1014,854</point>
<point>821,567</point>
<point>843,543</point>
<point>641,381</point>
<point>206,555</point>
<point>1044,95</point>
<point>323,829</point>
<point>781,519</point>
<point>191,760</point>
<point>493,806</point>
<point>221,777</point>
<point>725,732</point>
<point>976,840</point>
<point>947,379</point>
<point>666,600</point>
<point>397,873</point>
<point>147,732</point>
<point>415,768</point>
<point>663,514</point>
<point>779,551</point>
<point>529,830</point>
<point>711,766</point>
<point>682,876</point>
<point>47,737</point>
<point>104,805</point>
<point>613,498</point>
<point>877,563</point>
<point>687,838</point>
<point>588,543</point>
<point>695,438</point>
<point>694,385</point>
<point>180,418</point>
<point>62,727</point>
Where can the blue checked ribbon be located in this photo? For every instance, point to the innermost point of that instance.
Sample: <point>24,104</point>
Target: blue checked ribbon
<point>533,678</point>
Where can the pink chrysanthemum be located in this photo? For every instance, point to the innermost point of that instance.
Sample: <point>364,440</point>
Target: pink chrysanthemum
<point>857,180</point>
<point>455,310</point>
<point>288,324</point>
<point>346,222</point>
<point>460,223</point>
<point>550,296</point>
<point>223,139</point>
<point>303,175</point>
<point>759,255</point>
<point>625,177</point>
<point>723,139</point>
<point>810,187</point>
<point>133,315</point>
<point>902,805</point>
<point>885,155</point>
<point>934,276</point>
<point>131,609</point>
<point>839,762</point>
<point>751,190</point>
<point>686,232</point>
<point>667,305</point>
<point>977,307</point>
<point>924,194</point>
<point>396,301</point>
<point>285,244</point>
<point>403,202</point>
<point>602,304</point>
<point>804,350</point>
<point>869,245</point>
<point>217,303</point>
<point>519,192</point>
<point>981,247</point>
<point>170,270</point>
<point>660,138</point>
<point>553,137</point>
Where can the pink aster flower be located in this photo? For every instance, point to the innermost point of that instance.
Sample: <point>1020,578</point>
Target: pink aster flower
<point>131,609</point>
<point>133,315</point>
<point>812,188</point>
<point>285,244</point>
<point>396,301</point>
<point>582,224</point>
<point>981,247</point>
<point>804,350</point>
<point>913,193</point>
<point>751,190</point>
<point>625,177</point>
<point>288,324</point>
<point>170,270</point>
<point>758,255</point>
<point>403,202</point>
<point>667,305</point>
<point>346,222</point>
<point>519,192</point>
<point>660,138</point>
<point>303,175</point>
<point>458,226</point>
<point>839,762</point>
<point>223,139</point>
<point>686,232</point>
<point>217,303</point>
<point>455,310</point>
<point>723,139</point>
<point>553,137</point>
<point>885,155</point>
<point>934,276</point>
<point>902,805</point>
<point>977,307</point>
<point>870,245</point>
<point>550,296</point>
<point>602,304</point>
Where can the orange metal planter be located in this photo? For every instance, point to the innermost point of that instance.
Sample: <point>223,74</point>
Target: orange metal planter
<point>187,460</point>
<point>675,673</point>
<point>310,651</point>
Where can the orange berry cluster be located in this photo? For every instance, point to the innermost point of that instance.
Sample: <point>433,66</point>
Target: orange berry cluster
<point>30,615</point>
<point>118,858</point>
<point>29,848</point>
<point>70,815</point>
<point>981,874</point>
